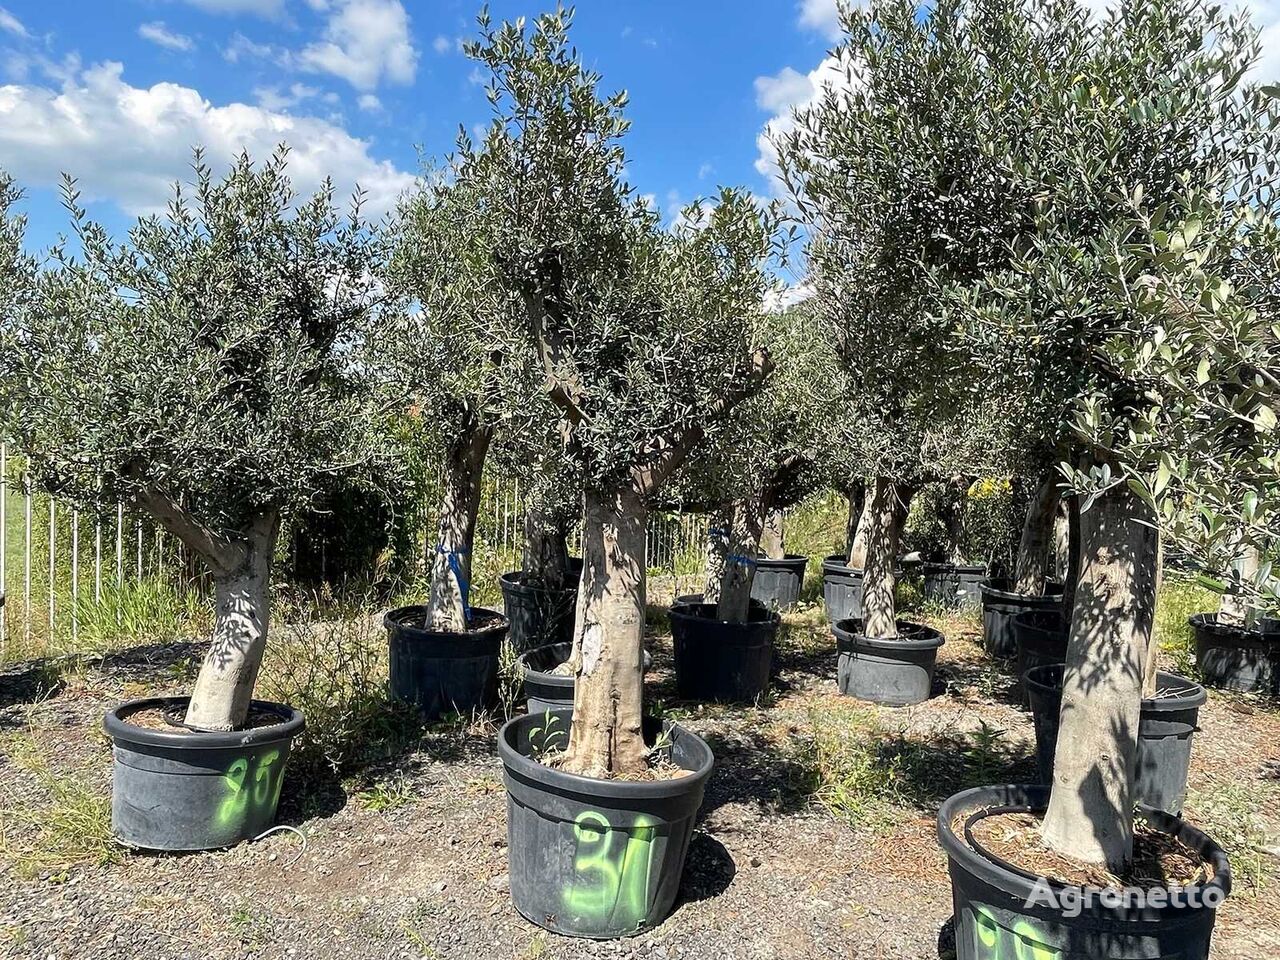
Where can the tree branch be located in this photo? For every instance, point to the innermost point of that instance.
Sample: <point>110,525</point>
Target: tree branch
<point>563,385</point>
<point>222,554</point>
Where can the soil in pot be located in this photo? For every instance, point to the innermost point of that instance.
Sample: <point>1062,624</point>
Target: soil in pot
<point>777,583</point>
<point>953,585</point>
<point>441,672</point>
<point>720,661</point>
<point>179,789</point>
<point>1005,908</point>
<point>1041,637</point>
<point>1237,658</point>
<point>539,616</point>
<point>1001,603</point>
<point>548,678</point>
<point>895,671</point>
<point>1165,733</point>
<point>597,858</point>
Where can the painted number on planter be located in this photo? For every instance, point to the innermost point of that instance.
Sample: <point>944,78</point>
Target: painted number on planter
<point>252,784</point>
<point>1022,942</point>
<point>611,872</point>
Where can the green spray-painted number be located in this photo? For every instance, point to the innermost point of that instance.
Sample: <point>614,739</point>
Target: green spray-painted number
<point>611,872</point>
<point>252,784</point>
<point>1021,942</point>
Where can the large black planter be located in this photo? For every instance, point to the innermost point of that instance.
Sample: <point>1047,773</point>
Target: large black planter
<point>1237,658</point>
<point>841,588</point>
<point>718,660</point>
<point>539,616</point>
<point>1165,731</point>
<point>777,583</point>
<point>1003,913</point>
<point>597,858</point>
<point>441,672</point>
<point>545,690</point>
<point>1041,637</point>
<point>187,790</point>
<point>896,671</point>
<point>1001,603</point>
<point>953,585</point>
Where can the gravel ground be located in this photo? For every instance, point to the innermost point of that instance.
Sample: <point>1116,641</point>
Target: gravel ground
<point>772,873</point>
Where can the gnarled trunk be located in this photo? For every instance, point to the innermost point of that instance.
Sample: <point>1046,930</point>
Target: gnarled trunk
<point>953,518</point>
<point>606,738</point>
<point>882,522</point>
<point>772,543</point>
<point>545,560</point>
<point>719,532</point>
<point>857,495</point>
<point>224,686</point>
<point>740,566</point>
<point>858,547</point>
<point>1090,815</point>
<point>1037,537</point>
<point>448,607</point>
<point>1235,608</point>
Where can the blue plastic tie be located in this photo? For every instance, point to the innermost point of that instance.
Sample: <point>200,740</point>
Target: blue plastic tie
<point>741,561</point>
<point>464,585</point>
<point>717,532</point>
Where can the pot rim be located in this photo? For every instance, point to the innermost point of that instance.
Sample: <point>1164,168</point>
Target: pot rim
<point>929,566</point>
<point>929,639</point>
<point>120,729</point>
<point>978,862</point>
<point>391,620</point>
<point>517,763</point>
<point>558,679</point>
<point>1208,622</point>
<point>989,589</point>
<point>1193,694</point>
<point>681,611</point>
<point>508,582</point>
<point>790,560</point>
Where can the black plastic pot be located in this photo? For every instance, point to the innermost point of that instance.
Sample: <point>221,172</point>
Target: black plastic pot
<point>441,672</point>
<point>184,790</point>
<point>1004,913</point>
<point>841,588</point>
<point>597,858</point>
<point>1041,638</point>
<point>1001,603</point>
<point>1237,658</point>
<point>545,690</point>
<point>953,585</point>
<point>1165,731</point>
<point>718,660</point>
<point>539,616</point>
<point>777,583</point>
<point>897,671</point>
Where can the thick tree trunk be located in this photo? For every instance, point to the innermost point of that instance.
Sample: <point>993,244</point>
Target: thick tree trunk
<point>953,518</point>
<point>858,547</point>
<point>1235,608</point>
<point>1071,578</point>
<point>719,532</point>
<point>772,544</point>
<point>606,738</point>
<point>448,607</point>
<point>740,566</point>
<point>1090,815</point>
<point>882,523</point>
<point>224,686</point>
<point>1037,537</point>
<point>545,560</point>
<point>857,494</point>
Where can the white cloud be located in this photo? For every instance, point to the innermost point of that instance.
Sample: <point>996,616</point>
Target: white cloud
<point>369,102</point>
<point>11,24</point>
<point>778,299</point>
<point>365,41</point>
<point>128,144</point>
<point>786,92</point>
<point>162,36</point>
<point>443,44</point>
<point>274,99</point>
<point>269,9</point>
<point>241,47</point>
<point>822,16</point>
<point>705,171</point>
<point>783,91</point>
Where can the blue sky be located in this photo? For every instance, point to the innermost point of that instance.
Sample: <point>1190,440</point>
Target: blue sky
<point>117,92</point>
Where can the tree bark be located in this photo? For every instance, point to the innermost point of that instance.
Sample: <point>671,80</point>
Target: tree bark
<point>857,494</point>
<point>606,738</point>
<point>772,543</point>
<point>1071,578</point>
<point>719,531</point>
<point>1235,608</point>
<point>224,686</point>
<point>1037,538</point>
<point>882,522</point>
<point>858,548</point>
<point>1090,815</point>
<point>448,607</point>
<point>545,560</point>
<point>740,566</point>
<point>953,518</point>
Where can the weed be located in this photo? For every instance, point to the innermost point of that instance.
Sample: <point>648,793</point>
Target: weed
<point>548,737</point>
<point>252,929</point>
<point>1228,812</point>
<point>384,795</point>
<point>1181,597</point>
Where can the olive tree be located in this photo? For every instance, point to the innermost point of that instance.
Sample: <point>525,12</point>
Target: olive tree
<point>201,372</point>
<point>643,335</point>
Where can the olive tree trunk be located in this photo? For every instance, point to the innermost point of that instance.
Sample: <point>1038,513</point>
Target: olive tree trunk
<point>545,560</point>
<point>1090,815</point>
<point>719,532</point>
<point>953,519</point>
<point>1071,577</point>
<point>1036,544</point>
<point>448,607</point>
<point>772,542</point>
<point>857,494</point>
<point>740,566</point>
<point>858,545</point>
<point>606,738</point>
<point>882,522</point>
<point>224,686</point>
<point>1235,607</point>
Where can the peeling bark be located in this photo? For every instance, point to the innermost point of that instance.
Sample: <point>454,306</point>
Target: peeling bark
<point>606,738</point>
<point>858,548</point>
<point>1090,815</point>
<point>857,495</point>
<point>1072,577</point>
<point>224,686</point>
<point>740,566</point>
<point>882,521</point>
<point>449,603</point>
<point>1037,538</point>
<point>953,519</point>
<point>719,531</point>
<point>772,543</point>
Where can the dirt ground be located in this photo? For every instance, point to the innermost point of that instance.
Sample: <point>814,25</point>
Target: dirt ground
<point>816,837</point>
